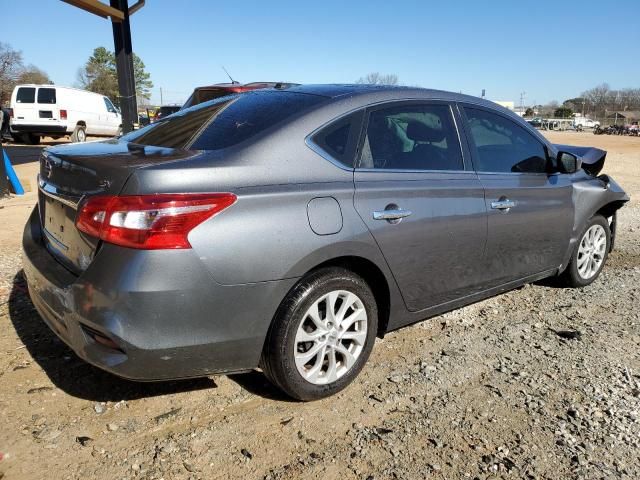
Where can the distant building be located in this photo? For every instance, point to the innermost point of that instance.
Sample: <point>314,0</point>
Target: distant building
<point>506,104</point>
<point>625,116</point>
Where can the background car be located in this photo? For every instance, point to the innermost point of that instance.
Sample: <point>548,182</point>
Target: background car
<point>535,122</point>
<point>55,111</point>
<point>286,229</point>
<point>165,111</point>
<point>580,123</point>
<point>211,92</point>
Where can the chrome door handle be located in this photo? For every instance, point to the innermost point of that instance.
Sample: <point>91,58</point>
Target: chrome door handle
<point>503,204</point>
<point>395,214</point>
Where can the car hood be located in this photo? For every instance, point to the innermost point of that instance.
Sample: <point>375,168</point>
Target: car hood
<point>592,158</point>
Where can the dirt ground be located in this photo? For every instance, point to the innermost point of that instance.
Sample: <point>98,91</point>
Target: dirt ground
<point>538,383</point>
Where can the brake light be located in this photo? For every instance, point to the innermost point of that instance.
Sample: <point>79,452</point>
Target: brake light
<point>63,114</point>
<point>10,112</point>
<point>150,222</point>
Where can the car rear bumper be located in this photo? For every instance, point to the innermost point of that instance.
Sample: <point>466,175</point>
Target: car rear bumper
<point>166,316</point>
<point>38,129</point>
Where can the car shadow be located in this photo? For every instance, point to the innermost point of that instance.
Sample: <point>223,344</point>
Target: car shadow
<point>70,373</point>
<point>257,384</point>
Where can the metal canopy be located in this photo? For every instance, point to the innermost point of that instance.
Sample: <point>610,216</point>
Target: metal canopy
<point>98,8</point>
<point>119,11</point>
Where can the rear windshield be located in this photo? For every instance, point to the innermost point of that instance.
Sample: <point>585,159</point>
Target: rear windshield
<point>26,95</point>
<point>225,122</point>
<point>46,95</point>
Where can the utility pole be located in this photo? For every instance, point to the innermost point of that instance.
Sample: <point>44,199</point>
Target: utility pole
<point>124,66</point>
<point>119,11</point>
<point>161,101</point>
<point>522,95</point>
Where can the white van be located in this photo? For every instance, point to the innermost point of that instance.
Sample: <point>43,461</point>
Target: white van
<point>53,111</point>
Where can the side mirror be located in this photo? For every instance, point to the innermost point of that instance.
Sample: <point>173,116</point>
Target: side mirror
<point>568,162</point>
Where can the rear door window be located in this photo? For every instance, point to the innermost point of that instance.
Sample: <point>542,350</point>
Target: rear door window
<point>339,139</point>
<point>26,95</point>
<point>412,137</point>
<point>502,145</point>
<point>47,95</point>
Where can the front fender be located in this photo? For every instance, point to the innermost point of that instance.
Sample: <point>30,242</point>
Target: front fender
<point>590,196</point>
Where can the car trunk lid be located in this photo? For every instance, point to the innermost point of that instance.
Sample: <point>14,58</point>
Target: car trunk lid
<point>72,173</point>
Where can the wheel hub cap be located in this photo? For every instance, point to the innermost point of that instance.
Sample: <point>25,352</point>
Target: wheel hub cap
<point>330,337</point>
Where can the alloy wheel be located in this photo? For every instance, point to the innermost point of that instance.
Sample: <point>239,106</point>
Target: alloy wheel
<point>591,251</point>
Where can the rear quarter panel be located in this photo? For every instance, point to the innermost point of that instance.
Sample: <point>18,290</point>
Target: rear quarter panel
<point>266,235</point>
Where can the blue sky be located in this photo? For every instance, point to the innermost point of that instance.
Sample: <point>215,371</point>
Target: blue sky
<point>550,50</point>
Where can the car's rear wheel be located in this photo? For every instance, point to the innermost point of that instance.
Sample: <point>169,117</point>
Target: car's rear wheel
<point>79,134</point>
<point>322,334</point>
<point>30,139</point>
<point>590,253</point>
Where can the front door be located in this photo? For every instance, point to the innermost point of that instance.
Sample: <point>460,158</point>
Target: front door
<point>424,209</point>
<point>111,122</point>
<point>530,210</point>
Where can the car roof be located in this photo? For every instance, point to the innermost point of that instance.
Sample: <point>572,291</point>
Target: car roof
<point>386,92</point>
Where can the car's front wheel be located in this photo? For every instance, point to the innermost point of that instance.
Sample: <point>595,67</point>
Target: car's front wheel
<point>590,253</point>
<point>322,334</point>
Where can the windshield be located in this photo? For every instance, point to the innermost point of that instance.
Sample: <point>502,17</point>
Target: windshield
<point>224,122</point>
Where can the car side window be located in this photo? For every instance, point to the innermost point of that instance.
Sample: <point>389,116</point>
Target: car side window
<point>339,138</point>
<point>412,137</point>
<point>109,105</point>
<point>504,146</point>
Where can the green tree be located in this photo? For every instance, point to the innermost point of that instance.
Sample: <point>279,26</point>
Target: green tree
<point>529,112</point>
<point>99,75</point>
<point>562,112</point>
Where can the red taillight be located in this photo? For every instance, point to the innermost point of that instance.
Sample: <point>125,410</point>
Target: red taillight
<point>10,112</point>
<point>149,222</point>
<point>63,114</point>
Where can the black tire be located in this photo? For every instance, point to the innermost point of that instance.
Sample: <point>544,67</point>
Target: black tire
<point>31,139</point>
<point>571,277</point>
<point>79,134</point>
<point>278,361</point>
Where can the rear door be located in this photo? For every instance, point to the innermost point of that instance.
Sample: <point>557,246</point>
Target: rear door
<point>530,210</point>
<point>421,201</point>
<point>46,105</point>
<point>24,108</point>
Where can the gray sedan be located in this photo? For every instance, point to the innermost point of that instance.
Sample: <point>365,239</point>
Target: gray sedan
<point>287,229</point>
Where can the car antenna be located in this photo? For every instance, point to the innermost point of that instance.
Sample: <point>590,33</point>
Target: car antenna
<point>234,82</point>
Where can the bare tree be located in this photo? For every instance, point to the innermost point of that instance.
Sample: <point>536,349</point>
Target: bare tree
<point>10,68</point>
<point>602,99</point>
<point>598,98</point>
<point>375,78</point>
<point>32,74</point>
<point>549,109</point>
